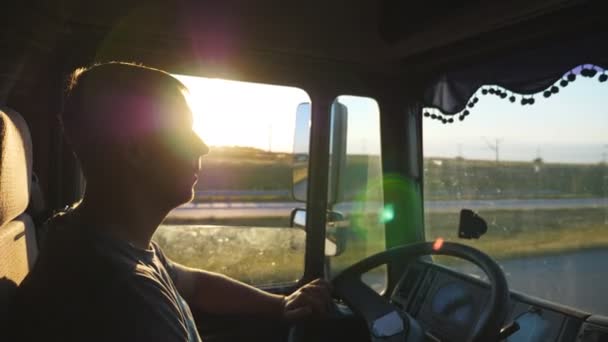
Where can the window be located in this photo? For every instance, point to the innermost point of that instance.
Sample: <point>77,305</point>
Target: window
<point>359,188</point>
<point>238,223</point>
<point>538,175</point>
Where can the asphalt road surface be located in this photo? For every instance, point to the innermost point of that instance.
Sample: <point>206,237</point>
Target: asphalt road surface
<point>283,209</point>
<point>577,279</point>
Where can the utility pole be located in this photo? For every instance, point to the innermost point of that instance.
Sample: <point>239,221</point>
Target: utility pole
<point>494,146</point>
<point>269,138</point>
<point>605,184</point>
<point>537,168</point>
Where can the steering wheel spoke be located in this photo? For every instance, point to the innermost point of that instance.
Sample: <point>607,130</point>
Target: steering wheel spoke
<point>386,323</point>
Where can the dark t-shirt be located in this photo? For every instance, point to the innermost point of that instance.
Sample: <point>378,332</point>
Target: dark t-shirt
<point>89,287</point>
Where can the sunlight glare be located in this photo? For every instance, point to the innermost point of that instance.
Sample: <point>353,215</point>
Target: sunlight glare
<point>233,113</point>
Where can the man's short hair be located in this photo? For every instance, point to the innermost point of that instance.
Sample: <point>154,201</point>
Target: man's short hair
<point>108,103</point>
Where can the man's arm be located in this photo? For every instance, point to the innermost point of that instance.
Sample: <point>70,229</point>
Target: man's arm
<point>218,294</point>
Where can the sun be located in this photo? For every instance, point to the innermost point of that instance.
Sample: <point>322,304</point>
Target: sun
<point>233,113</point>
<point>216,114</point>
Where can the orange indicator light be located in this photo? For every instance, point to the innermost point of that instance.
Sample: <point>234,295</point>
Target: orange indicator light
<point>438,244</point>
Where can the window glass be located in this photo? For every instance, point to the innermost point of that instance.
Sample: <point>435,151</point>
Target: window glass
<point>538,175</point>
<point>238,223</point>
<point>359,196</point>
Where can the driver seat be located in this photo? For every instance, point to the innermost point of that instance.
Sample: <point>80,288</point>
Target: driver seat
<point>18,246</point>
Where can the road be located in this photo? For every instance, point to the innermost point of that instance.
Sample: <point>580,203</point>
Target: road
<point>516,204</point>
<point>282,209</point>
<point>577,279</point>
<point>234,210</point>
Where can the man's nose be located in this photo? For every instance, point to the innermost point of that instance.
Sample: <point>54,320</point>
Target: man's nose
<point>201,147</point>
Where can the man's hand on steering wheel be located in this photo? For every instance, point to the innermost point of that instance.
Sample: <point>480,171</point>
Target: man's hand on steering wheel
<point>312,299</point>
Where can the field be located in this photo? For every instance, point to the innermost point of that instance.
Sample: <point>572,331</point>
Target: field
<point>260,251</point>
<point>263,250</point>
<point>526,233</point>
<point>275,255</point>
<point>247,169</point>
<point>480,179</point>
<point>254,255</point>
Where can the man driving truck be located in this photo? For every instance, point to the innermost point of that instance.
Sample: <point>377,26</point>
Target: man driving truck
<point>99,276</point>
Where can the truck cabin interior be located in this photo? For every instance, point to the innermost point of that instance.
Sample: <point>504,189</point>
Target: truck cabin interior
<point>419,60</point>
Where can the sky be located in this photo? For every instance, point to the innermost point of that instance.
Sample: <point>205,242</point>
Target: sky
<point>571,126</point>
<point>232,113</point>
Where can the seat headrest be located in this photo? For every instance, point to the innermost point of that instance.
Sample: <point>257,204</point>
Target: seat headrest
<point>15,165</point>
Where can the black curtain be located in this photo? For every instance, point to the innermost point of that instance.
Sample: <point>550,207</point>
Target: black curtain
<point>526,72</point>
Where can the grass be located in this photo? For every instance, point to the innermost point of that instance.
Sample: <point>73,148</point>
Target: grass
<point>274,255</point>
<point>267,254</point>
<point>260,251</point>
<point>260,256</point>
<point>526,233</point>
<point>236,168</point>
<point>453,178</point>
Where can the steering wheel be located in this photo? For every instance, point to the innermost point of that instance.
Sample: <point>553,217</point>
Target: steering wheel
<point>387,324</point>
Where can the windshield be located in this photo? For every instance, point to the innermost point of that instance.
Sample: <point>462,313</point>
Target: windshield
<point>537,173</point>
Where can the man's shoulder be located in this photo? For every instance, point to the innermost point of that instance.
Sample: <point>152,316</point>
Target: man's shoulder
<point>77,258</point>
<point>72,260</point>
<point>84,290</point>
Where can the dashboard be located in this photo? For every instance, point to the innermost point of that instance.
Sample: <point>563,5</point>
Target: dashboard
<point>447,304</point>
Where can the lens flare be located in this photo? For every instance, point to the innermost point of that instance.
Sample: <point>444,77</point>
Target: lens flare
<point>387,213</point>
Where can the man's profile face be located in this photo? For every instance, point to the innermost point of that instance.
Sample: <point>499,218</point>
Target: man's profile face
<point>171,154</point>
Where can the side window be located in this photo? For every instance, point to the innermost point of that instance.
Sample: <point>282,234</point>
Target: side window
<point>537,173</point>
<point>238,223</point>
<point>356,180</point>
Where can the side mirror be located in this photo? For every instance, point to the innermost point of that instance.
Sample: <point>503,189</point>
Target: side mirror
<point>335,239</point>
<point>337,153</point>
<point>472,226</point>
